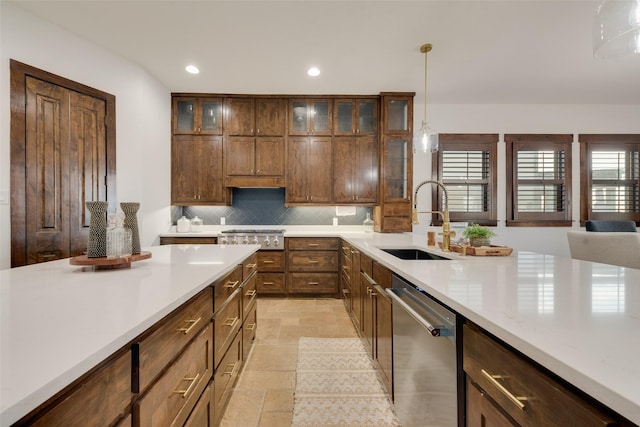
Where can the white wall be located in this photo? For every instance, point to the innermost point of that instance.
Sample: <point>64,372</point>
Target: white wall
<point>501,119</point>
<point>143,114</point>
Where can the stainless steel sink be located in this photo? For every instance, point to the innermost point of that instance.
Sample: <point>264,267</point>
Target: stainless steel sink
<point>412,253</point>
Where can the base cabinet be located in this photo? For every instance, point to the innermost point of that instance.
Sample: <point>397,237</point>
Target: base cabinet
<point>312,265</point>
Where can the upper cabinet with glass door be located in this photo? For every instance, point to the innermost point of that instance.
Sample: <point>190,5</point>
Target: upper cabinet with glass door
<point>310,116</point>
<point>355,116</point>
<point>196,115</point>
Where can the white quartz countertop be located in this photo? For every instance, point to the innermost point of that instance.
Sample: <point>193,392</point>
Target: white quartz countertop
<point>58,321</point>
<point>580,320</point>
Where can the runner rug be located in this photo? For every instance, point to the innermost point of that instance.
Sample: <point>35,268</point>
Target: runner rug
<point>336,385</point>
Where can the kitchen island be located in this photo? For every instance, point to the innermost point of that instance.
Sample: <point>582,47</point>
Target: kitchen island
<point>60,321</point>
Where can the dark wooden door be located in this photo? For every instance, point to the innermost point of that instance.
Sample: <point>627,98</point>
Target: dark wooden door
<point>269,156</point>
<point>66,166</point>
<point>240,156</point>
<point>270,117</point>
<point>319,170</point>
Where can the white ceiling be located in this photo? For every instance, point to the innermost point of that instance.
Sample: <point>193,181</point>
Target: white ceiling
<point>510,51</point>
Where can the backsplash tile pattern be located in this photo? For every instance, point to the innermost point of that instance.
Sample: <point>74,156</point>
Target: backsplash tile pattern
<point>265,206</point>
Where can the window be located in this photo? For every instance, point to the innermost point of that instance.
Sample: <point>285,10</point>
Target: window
<point>538,180</point>
<point>609,177</point>
<point>466,164</point>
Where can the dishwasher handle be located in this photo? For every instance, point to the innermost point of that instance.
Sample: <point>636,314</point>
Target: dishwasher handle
<point>433,330</point>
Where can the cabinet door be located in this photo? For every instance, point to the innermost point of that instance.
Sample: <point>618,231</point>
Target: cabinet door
<point>384,339</point>
<point>343,119</point>
<point>320,118</point>
<point>184,161</point>
<point>366,173</point>
<point>398,114</point>
<point>197,116</point>
<point>270,117</point>
<point>210,116</point>
<point>298,117</point>
<point>297,170</point>
<point>344,169</point>
<point>240,155</point>
<point>269,156</point>
<point>210,171</point>
<point>481,411</point>
<point>366,325</point>
<point>240,118</point>
<point>366,116</point>
<point>319,170</point>
<point>396,169</point>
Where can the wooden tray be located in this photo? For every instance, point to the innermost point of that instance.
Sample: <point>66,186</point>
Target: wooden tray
<point>105,263</point>
<point>492,250</point>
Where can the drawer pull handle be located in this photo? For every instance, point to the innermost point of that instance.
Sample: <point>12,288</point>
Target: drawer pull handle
<point>250,327</point>
<point>231,284</point>
<point>231,322</point>
<point>188,329</point>
<point>313,245</point>
<point>193,381</point>
<point>230,371</point>
<point>250,293</point>
<point>251,265</point>
<point>267,261</point>
<point>267,283</point>
<point>312,261</point>
<point>314,283</point>
<point>517,400</point>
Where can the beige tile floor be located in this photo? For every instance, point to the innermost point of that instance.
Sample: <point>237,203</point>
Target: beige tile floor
<point>263,395</point>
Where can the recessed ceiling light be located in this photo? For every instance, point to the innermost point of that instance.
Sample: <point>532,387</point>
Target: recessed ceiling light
<point>192,69</point>
<point>313,71</point>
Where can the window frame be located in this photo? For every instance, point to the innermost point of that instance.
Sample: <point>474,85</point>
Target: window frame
<point>612,142</point>
<point>468,142</point>
<point>531,142</point>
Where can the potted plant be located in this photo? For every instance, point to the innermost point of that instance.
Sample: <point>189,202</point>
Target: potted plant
<point>478,235</point>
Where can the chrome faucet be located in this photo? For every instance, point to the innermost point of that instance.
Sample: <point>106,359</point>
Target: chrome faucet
<point>446,227</point>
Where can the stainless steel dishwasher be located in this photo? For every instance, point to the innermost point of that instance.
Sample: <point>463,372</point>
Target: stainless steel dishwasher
<point>427,370</point>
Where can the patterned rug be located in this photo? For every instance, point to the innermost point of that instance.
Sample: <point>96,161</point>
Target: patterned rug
<point>336,385</point>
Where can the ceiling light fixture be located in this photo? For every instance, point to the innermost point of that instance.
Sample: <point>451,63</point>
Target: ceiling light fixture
<point>313,71</point>
<point>427,137</point>
<point>192,69</point>
<point>616,29</point>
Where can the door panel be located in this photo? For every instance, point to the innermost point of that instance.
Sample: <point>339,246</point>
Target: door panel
<point>319,169</point>
<point>270,156</point>
<point>47,149</point>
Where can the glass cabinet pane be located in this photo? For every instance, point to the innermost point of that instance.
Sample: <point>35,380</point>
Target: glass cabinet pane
<point>186,115</point>
<point>366,117</point>
<point>299,117</point>
<point>396,170</point>
<point>211,115</point>
<point>397,118</point>
<point>321,117</point>
<point>345,113</point>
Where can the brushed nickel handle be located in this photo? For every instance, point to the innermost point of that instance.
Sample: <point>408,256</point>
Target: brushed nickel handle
<point>193,381</point>
<point>188,329</point>
<point>493,379</point>
<point>231,284</point>
<point>250,293</point>
<point>230,322</point>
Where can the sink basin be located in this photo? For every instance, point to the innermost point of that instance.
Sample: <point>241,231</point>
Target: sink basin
<point>413,254</point>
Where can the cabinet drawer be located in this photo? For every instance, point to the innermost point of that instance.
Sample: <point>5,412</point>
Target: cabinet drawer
<point>524,391</point>
<point>223,288</point>
<point>271,283</point>
<point>226,325</point>
<point>99,400</point>
<point>366,265</point>
<point>188,240</point>
<point>226,375</point>
<point>312,244</point>
<point>271,261</point>
<point>156,350</point>
<point>313,261</point>
<point>249,294</point>
<point>169,401</point>
<point>203,414</point>
<point>313,283</point>
<point>249,331</point>
<point>249,266</point>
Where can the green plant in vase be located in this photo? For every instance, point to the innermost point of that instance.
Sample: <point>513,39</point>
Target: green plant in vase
<point>478,235</point>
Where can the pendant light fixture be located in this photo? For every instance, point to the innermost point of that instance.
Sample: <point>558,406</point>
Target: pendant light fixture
<point>616,30</point>
<point>425,136</point>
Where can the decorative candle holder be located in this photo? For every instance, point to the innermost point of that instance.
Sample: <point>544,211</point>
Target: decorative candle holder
<point>97,244</point>
<point>130,210</point>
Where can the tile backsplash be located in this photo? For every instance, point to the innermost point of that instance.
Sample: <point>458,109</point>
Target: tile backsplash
<point>265,206</point>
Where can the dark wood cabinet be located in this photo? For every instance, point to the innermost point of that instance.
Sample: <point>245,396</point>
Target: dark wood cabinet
<point>255,146</point>
<point>355,170</point>
<point>271,272</point>
<point>393,213</point>
<point>193,115</point>
<point>196,171</point>
<point>312,265</point>
<point>309,177</point>
<point>355,116</point>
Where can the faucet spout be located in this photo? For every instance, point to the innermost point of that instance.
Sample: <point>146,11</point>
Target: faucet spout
<point>446,223</point>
